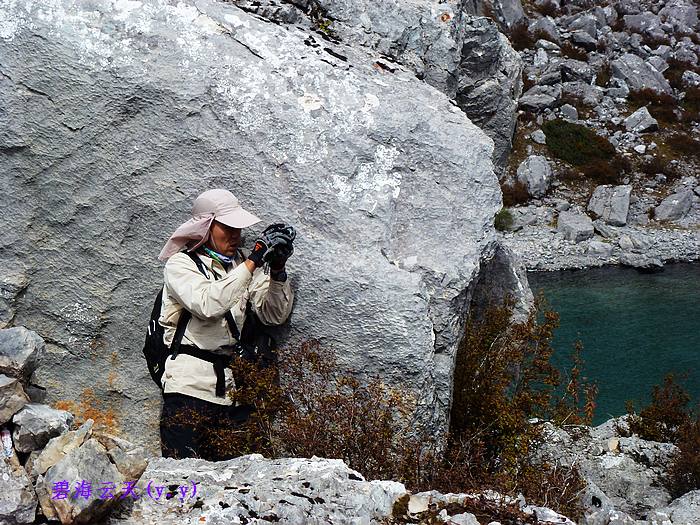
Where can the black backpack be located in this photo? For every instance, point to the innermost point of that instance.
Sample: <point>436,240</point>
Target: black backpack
<point>254,344</point>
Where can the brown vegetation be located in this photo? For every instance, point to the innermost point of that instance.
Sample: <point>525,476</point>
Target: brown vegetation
<point>668,418</point>
<point>514,194</point>
<point>503,377</point>
<point>90,407</point>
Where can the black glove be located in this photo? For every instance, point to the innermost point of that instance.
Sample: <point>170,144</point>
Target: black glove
<point>273,238</point>
<point>283,237</point>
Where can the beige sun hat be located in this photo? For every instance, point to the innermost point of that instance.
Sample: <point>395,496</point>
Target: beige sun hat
<point>213,205</point>
<point>225,207</point>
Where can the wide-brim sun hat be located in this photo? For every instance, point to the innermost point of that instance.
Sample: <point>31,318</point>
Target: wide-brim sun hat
<point>213,205</point>
<point>225,207</point>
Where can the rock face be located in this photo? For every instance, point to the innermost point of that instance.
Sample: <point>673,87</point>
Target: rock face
<point>462,55</point>
<point>611,203</point>
<point>120,116</point>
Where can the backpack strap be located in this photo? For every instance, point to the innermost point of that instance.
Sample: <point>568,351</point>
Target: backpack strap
<point>228,316</point>
<point>186,315</point>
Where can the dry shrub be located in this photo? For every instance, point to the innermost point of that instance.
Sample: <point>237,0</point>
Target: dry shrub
<point>570,50</point>
<point>655,41</point>
<point>660,105</point>
<point>519,36</point>
<point>668,418</point>
<point>691,104</point>
<point>663,417</point>
<point>548,8</point>
<point>660,164</point>
<point>607,172</point>
<point>514,194</point>
<point>683,474</point>
<point>683,144</point>
<point>603,77</point>
<point>503,377</point>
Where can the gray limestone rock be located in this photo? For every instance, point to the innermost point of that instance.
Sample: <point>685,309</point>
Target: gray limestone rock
<point>35,424</point>
<point>12,398</point>
<point>576,70</point>
<point>587,22</point>
<point>645,23</point>
<point>641,261</point>
<point>589,95</point>
<point>88,463</point>
<point>119,117</point>
<point>129,459</point>
<point>611,203</point>
<point>569,112</point>
<point>575,226</point>
<point>17,498</point>
<point>690,79</point>
<point>641,121</point>
<point>438,43</point>
<point>538,98</point>
<point>659,63</point>
<point>599,248</point>
<point>289,490</point>
<point>623,473</point>
<point>58,447</point>
<point>536,173</point>
<point>583,39</point>
<point>638,74</point>
<point>548,26</point>
<point>685,510</point>
<point>674,206</point>
<point>20,352</point>
<point>539,136</point>
<point>681,14</point>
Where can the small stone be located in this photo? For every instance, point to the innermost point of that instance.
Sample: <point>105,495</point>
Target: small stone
<point>640,148</point>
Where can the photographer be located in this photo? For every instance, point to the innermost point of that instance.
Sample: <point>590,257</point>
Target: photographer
<point>214,282</point>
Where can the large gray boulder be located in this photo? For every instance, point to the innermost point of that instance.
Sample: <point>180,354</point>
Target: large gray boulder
<point>638,74</point>
<point>674,207</point>
<point>623,474</point>
<point>450,45</point>
<point>685,509</point>
<point>287,490</point>
<point>611,203</point>
<point>20,352</point>
<point>536,174</point>
<point>641,121</point>
<point>681,14</point>
<point>117,117</point>
<point>575,226</point>
<point>86,470</point>
<point>35,424</point>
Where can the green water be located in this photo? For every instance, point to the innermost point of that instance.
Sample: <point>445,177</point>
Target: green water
<point>634,327</point>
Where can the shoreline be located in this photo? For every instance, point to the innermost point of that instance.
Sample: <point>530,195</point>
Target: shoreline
<point>542,248</point>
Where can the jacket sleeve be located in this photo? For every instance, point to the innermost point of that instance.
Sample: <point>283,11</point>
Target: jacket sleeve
<point>271,300</point>
<point>204,298</point>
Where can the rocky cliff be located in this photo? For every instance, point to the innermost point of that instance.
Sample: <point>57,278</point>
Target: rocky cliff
<point>117,114</point>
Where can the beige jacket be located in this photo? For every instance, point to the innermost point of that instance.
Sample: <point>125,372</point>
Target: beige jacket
<point>208,299</point>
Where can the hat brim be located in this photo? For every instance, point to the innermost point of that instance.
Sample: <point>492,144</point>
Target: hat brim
<point>238,219</point>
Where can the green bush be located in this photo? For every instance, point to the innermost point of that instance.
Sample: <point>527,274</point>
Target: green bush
<point>503,220</point>
<point>576,144</point>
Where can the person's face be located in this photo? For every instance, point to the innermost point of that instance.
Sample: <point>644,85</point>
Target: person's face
<point>224,239</point>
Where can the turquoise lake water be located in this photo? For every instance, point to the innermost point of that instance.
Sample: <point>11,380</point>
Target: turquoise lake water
<point>634,327</point>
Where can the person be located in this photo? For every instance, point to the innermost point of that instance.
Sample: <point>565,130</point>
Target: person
<point>197,379</point>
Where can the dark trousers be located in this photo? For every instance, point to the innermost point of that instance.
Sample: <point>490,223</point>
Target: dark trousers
<point>188,426</point>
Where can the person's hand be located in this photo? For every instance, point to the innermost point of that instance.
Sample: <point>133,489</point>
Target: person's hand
<point>275,241</point>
